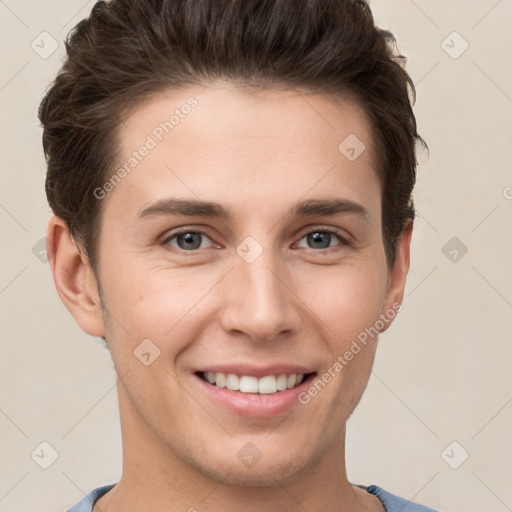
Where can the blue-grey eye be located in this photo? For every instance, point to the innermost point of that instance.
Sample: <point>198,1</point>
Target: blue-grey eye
<point>320,239</point>
<point>187,240</point>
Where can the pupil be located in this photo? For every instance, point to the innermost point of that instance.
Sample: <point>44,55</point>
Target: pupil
<point>316,238</point>
<point>189,238</point>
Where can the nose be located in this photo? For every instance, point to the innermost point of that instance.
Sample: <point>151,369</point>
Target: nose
<point>258,300</point>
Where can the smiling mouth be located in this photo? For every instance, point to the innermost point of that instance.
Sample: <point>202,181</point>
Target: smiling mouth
<point>266,385</point>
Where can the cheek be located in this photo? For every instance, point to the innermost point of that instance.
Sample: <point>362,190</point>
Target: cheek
<point>165,305</point>
<point>346,299</point>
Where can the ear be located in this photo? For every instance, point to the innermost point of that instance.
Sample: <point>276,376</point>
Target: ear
<point>398,273</point>
<point>74,278</point>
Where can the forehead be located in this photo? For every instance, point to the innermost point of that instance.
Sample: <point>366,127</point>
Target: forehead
<point>212,141</point>
<point>222,109</point>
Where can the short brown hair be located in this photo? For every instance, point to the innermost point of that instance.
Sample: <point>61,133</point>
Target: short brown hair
<point>129,50</point>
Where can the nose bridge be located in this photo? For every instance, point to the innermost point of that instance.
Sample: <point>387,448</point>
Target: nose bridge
<point>260,303</point>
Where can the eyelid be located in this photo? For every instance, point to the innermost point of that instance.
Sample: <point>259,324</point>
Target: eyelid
<point>341,233</point>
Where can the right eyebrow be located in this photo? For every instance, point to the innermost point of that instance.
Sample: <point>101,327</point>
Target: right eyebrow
<point>174,206</point>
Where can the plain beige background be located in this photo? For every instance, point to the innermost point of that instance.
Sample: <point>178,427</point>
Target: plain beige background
<point>442,386</point>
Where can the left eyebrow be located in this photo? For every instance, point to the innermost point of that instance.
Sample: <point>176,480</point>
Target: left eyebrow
<point>189,207</point>
<point>329,207</point>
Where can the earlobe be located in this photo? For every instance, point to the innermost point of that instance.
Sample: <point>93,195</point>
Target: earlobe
<point>74,278</point>
<point>398,273</point>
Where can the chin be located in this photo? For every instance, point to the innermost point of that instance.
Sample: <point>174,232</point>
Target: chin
<point>263,473</point>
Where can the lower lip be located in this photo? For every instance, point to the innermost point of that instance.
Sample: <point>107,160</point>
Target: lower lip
<point>254,405</point>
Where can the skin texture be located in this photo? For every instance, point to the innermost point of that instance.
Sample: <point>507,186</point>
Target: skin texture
<point>257,155</point>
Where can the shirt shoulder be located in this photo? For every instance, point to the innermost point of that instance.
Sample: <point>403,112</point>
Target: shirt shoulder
<point>87,502</point>
<point>391,502</point>
<point>394,503</point>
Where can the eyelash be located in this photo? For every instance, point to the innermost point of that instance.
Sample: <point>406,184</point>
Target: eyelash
<point>343,239</point>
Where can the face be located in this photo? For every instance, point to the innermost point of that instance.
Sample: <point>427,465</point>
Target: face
<point>243,247</point>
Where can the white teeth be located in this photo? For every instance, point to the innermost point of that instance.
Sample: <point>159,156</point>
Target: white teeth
<point>247,384</point>
<point>220,380</point>
<point>267,385</point>
<point>282,381</point>
<point>232,382</point>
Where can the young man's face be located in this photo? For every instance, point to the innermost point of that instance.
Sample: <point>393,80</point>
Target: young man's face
<point>263,292</point>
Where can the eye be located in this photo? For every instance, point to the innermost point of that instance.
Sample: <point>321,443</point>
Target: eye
<point>187,240</point>
<point>322,238</point>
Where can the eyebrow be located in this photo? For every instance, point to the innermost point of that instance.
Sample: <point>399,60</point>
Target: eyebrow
<point>192,207</point>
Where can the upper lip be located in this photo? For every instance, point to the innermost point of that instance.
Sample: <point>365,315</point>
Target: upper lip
<point>256,371</point>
